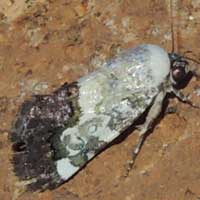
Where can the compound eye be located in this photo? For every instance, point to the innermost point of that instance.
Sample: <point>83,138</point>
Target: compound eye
<point>178,73</point>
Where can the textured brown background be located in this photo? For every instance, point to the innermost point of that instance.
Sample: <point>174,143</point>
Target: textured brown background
<point>45,43</point>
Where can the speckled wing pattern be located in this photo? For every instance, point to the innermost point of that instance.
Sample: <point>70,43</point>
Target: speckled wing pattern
<point>56,135</point>
<point>35,132</point>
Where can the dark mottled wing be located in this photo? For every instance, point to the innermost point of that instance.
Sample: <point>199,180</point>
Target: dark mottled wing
<point>37,122</point>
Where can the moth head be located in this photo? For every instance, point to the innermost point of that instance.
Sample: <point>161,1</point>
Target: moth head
<point>178,69</point>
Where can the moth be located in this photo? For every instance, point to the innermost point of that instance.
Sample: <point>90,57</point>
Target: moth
<point>55,135</point>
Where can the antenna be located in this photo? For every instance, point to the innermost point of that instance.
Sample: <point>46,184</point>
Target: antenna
<point>174,32</point>
<point>172,26</point>
<point>194,71</point>
<point>190,58</point>
<point>175,38</point>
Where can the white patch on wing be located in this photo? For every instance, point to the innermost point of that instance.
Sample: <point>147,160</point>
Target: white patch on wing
<point>91,91</point>
<point>90,155</point>
<point>65,169</point>
<point>159,64</point>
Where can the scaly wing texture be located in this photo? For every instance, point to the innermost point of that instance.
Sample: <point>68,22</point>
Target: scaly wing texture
<point>37,122</point>
<point>56,135</point>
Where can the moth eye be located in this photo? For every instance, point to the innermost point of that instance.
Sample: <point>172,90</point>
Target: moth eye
<point>178,74</point>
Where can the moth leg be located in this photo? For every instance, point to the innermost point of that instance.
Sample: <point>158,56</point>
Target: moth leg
<point>151,116</point>
<point>185,99</point>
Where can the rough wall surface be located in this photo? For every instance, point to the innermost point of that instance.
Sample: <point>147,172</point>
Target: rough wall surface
<point>45,43</point>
